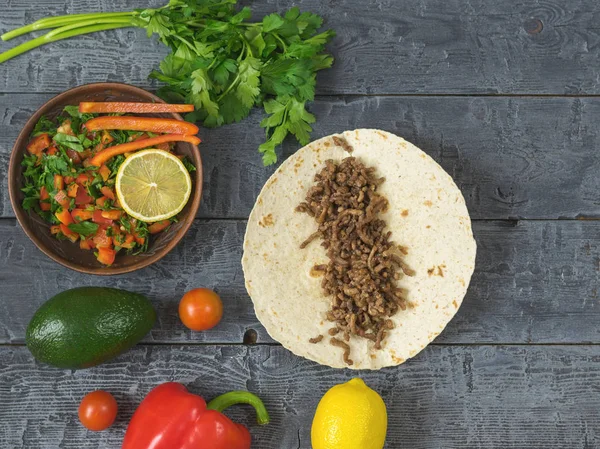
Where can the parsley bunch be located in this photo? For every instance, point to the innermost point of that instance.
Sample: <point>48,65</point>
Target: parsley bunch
<point>221,62</point>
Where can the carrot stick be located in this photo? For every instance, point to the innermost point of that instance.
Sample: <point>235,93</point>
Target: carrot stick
<point>93,107</point>
<point>104,155</point>
<point>149,124</point>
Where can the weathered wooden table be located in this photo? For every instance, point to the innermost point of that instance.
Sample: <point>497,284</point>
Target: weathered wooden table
<point>503,94</point>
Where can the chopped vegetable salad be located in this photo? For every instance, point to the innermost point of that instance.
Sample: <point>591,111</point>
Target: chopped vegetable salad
<point>70,172</point>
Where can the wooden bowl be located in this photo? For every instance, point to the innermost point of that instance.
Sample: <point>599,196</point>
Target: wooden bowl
<point>67,253</point>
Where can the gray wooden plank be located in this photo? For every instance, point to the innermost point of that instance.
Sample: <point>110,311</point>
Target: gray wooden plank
<point>535,282</point>
<point>448,397</point>
<point>208,257</point>
<point>430,46</point>
<point>511,157</point>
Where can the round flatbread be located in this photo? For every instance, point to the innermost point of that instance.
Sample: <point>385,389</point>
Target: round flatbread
<point>427,215</point>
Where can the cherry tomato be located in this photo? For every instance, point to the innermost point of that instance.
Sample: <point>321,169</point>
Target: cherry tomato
<point>200,309</point>
<point>98,410</point>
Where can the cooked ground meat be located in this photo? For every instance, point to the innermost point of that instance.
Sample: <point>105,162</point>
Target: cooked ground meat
<point>363,263</point>
<point>316,339</point>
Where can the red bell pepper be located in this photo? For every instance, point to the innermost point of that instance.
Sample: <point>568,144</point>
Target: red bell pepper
<point>39,143</point>
<point>127,107</point>
<point>172,418</point>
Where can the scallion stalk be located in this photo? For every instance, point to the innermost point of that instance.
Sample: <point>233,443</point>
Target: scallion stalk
<point>58,21</point>
<point>63,33</point>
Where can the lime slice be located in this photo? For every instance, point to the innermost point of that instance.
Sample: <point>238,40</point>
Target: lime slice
<point>153,185</point>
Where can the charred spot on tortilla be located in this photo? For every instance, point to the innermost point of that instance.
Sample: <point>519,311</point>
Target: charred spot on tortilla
<point>342,142</point>
<point>364,265</point>
<point>266,221</point>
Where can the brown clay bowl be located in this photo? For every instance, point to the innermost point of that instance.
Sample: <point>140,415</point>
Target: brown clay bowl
<point>67,253</point>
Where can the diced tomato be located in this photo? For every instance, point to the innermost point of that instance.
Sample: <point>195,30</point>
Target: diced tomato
<point>108,192</point>
<point>101,201</point>
<point>104,171</point>
<point>59,182</point>
<point>81,215</point>
<point>72,190</point>
<point>84,179</point>
<point>62,199</point>
<point>69,180</point>
<point>52,151</point>
<point>142,136</point>
<point>82,197</point>
<point>159,226</point>
<point>44,197</point>
<point>106,137</point>
<point>99,219</point>
<point>39,143</point>
<point>138,239</point>
<point>73,236</point>
<point>112,214</point>
<point>74,156</point>
<point>54,229</point>
<point>64,217</point>
<point>86,244</point>
<point>128,241</point>
<point>106,256</point>
<point>101,240</point>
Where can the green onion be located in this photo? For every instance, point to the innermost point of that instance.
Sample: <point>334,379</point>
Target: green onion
<point>64,32</point>
<point>58,21</point>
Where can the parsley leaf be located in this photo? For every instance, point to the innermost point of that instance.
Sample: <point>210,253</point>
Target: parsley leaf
<point>44,125</point>
<point>272,22</point>
<point>68,141</point>
<point>84,228</point>
<point>247,91</point>
<point>188,165</point>
<point>225,65</point>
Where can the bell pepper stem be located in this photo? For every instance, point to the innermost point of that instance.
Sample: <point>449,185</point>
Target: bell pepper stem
<point>226,400</point>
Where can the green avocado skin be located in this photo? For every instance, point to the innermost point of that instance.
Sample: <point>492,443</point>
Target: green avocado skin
<point>86,326</point>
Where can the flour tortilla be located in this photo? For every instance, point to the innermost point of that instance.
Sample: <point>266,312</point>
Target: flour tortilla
<point>427,215</point>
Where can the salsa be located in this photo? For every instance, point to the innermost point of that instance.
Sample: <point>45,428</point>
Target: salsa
<point>76,197</point>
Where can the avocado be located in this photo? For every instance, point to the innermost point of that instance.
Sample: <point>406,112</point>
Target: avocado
<point>86,326</point>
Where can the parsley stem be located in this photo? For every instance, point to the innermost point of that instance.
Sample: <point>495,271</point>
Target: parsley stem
<point>186,42</point>
<point>42,40</point>
<point>231,86</point>
<point>247,45</point>
<point>58,21</point>
<point>280,40</point>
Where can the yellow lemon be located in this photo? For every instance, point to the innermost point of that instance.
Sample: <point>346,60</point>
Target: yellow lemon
<point>350,416</point>
<point>153,185</point>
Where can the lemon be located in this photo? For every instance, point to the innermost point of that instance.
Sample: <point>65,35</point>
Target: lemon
<point>350,416</point>
<point>153,185</point>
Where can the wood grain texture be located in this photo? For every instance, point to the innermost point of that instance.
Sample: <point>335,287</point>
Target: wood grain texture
<point>429,46</point>
<point>535,282</point>
<point>448,397</point>
<point>511,157</point>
